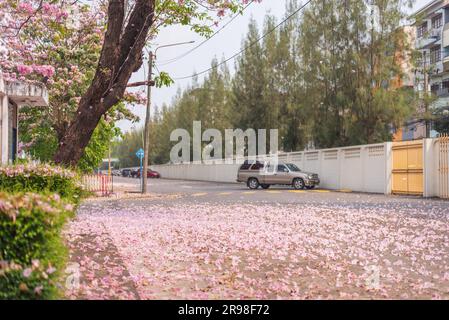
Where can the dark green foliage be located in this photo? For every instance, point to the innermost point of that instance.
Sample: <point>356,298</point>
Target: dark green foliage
<point>326,78</point>
<point>29,224</point>
<point>32,253</point>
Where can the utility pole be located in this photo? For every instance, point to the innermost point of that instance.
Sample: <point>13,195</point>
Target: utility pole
<point>150,83</point>
<point>146,139</point>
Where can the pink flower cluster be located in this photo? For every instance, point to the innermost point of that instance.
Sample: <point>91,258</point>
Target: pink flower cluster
<point>36,169</point>
<point>44,70</point>
<point>48,9</point>
<point>137,97</point>
<point>55,11</point>
<point>26,7</point>
<point>13,205</point>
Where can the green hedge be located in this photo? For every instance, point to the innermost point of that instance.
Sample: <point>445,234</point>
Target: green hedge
<point>42,178</point>
<point>32,282</point>
<point>31,247</point>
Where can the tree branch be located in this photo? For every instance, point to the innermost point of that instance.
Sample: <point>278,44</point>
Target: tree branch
<point>140,83</point>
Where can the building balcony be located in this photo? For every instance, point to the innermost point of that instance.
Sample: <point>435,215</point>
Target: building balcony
<point>435,69</point>
<point>431,38</point>
<point>441,102</point>
<point>435,33</point>
<point>23,93</point>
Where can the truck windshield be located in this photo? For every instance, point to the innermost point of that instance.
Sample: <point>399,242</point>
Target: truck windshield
<point>292,167</point>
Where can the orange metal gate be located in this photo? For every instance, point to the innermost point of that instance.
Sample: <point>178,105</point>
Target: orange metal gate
<point>443,169</point>
<point>408,167</point>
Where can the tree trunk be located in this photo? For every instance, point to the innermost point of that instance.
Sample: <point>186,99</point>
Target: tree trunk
<point>120,57</point>
<point>76,138</point>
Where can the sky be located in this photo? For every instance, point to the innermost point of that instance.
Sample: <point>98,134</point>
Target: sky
<point>225,44</point>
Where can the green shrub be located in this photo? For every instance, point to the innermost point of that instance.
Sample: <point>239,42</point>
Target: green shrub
<point>31,244</point>
<point>32,282</point>
<point>29,225</point>
<point>42,178</point>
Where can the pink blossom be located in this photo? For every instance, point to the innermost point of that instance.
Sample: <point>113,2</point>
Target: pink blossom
<point>26,7</point>
<point>38,290</point>
<point>24,69</point>
<point>27,272</point>
<point>45,70</point>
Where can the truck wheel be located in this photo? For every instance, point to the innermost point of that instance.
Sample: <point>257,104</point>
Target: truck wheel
<point>253,183</point>
<point>298,184</point>
<point>265,186</point>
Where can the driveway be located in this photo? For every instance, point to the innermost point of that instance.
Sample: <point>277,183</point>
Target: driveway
<point>200,240</point>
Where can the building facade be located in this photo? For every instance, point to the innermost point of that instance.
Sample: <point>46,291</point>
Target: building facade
<point>13,95</point>
<point>432,70</point>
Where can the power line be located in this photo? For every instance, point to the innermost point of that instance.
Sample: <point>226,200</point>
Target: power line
<point>249,46</point>
<point>169,61</point>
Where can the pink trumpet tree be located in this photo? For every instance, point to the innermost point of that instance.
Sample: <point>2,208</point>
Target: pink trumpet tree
<point>124,29</point>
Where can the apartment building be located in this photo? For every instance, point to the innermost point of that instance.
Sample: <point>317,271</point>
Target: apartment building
<point>432,73</point>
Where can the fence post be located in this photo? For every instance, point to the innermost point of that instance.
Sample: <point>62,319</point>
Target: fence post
<point>388,166</point>
<point>103,185</point>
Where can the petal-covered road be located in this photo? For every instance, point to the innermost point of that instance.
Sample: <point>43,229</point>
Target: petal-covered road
<point>211,250</point>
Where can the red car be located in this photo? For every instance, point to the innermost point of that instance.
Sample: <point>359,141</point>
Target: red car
<point>150,174</point>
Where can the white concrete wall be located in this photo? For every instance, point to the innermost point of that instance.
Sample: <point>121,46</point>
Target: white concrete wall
<point>430,167</point>
<point>199,172</point>
<point>357,168</point>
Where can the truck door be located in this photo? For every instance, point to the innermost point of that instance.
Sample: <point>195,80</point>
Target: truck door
<point>282,175</point>
<point>268,174</point>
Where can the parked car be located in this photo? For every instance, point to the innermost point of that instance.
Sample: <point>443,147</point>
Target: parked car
<point>134,173</point>
<point>116,173</point>
<point>255,174</point>
<point>150,174</point>
<point>129,173</point>
<point>126,173</point>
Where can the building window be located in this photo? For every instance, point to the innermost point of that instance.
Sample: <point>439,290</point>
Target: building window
<point>421,59</point>
<point>434,88</point>
<point>445,84</point>
<point>437,21</point>
<point>422,29</point>
<point>435,54</point>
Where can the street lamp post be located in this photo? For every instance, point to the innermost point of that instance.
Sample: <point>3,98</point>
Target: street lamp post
<point>150,83</point>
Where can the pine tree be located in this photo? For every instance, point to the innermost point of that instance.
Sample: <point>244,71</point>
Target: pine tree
<point>249,83</point>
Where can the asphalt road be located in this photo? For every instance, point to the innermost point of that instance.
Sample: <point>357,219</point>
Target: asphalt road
<point>229,193</point>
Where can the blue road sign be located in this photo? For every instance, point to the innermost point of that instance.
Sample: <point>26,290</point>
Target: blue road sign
<point>140,153</point>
